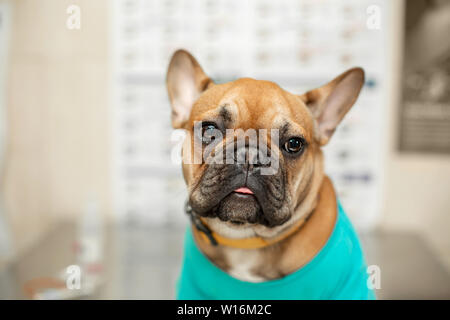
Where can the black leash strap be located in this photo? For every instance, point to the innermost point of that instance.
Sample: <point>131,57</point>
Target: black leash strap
<point>199,224</point>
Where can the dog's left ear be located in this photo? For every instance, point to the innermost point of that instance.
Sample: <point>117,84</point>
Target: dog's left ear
<point>331,102</point>
<point>185,82</point>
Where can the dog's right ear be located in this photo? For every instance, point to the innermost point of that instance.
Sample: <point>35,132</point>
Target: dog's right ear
<point>332,101</point>
<point>185,82</point>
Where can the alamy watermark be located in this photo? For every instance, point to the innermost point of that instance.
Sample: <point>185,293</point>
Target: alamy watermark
<point>74,19</point>
<point>373,21</point>
<point>73,280</point>
<point>374,279</point>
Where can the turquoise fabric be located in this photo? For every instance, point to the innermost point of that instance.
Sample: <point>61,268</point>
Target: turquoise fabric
<point>338,271</point>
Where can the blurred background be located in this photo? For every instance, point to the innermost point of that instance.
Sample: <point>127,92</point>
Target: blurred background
<point>86,177</point>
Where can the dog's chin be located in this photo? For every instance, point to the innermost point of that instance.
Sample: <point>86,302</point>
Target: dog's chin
<point>239,209</point>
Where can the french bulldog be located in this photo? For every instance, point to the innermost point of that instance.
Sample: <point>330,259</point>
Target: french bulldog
<point>250,227</point>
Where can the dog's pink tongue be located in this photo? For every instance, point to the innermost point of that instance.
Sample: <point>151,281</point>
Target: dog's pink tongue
<point>244,190</point>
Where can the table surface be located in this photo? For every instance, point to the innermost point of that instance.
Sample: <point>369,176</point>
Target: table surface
<point>142,262</point>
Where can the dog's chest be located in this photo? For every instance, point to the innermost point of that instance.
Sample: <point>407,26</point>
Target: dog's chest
<point>244,264</point>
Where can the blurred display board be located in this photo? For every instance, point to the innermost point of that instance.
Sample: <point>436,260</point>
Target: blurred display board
<point>425,109</point>
<point>425,112</point>
<point>298,44</point>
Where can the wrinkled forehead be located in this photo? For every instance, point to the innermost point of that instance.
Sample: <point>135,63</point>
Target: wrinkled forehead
<point>253,104</point>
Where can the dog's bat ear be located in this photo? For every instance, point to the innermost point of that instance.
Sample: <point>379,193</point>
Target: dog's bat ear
<point>331,102</point>
<point>185,82</point>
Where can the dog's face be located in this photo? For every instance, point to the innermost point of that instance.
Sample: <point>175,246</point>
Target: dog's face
<point>238,188</point>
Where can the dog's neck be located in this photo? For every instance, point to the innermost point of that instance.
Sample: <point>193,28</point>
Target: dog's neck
<point>285,256</point>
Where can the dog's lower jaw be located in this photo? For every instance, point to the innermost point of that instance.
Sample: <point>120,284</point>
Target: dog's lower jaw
<point>230,230</point>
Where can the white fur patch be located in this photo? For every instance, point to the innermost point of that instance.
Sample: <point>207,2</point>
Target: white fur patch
<point>242,262</point>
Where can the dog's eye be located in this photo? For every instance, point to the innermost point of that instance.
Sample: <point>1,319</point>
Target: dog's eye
<point>294,145</point>
<point>209,131</point>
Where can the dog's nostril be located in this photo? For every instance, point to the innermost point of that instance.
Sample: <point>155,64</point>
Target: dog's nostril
<point>252,159</point>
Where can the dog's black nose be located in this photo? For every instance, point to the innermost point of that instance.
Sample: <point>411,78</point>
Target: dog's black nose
<point>250,158</point>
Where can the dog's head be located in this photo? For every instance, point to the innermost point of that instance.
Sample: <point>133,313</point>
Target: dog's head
<point>251,158</point>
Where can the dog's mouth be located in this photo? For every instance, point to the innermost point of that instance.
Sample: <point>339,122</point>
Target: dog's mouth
<point>239,207</point>
<point>243,190</point>
<point>229,194</point>
<point>243,193</point>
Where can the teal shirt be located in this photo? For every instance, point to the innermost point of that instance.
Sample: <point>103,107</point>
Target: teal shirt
<point>338,271</point>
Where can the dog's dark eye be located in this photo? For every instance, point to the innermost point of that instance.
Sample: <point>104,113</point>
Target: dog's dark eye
<point>208,132</point>
<point>294,145</point>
